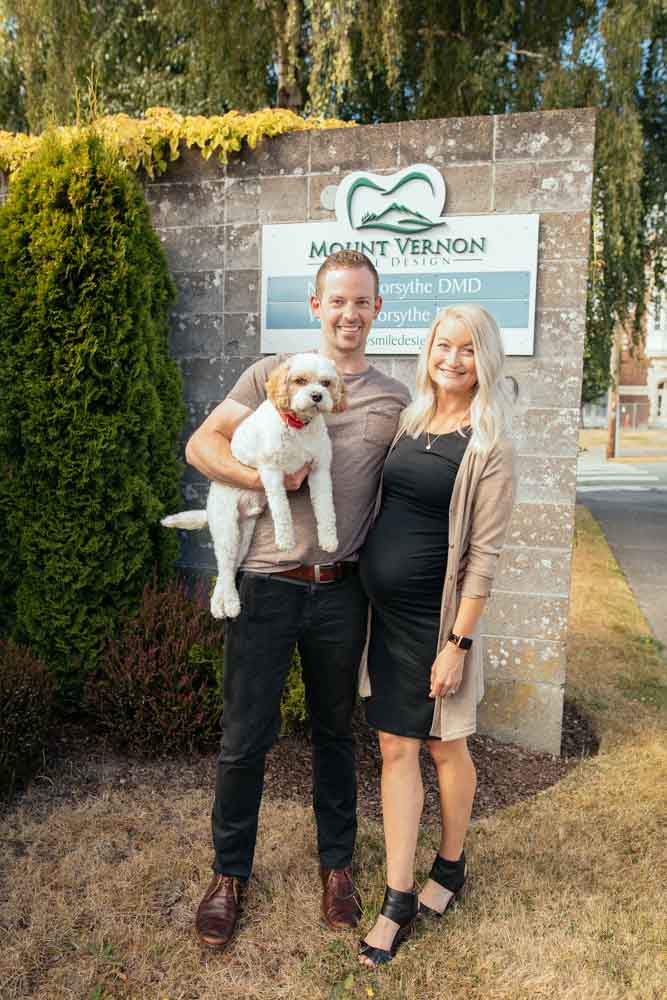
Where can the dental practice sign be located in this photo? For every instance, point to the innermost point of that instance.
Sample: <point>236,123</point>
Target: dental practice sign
<point>426,261</point>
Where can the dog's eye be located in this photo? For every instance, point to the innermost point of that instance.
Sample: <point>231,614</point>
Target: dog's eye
<point>325,382</point>
<point>301,381</point>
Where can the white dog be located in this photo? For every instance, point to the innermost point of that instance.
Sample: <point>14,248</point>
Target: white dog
<point>282,435</point>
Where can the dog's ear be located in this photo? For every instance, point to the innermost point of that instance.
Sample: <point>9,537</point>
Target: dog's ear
<point>277,389</point>
<point>339,395</point>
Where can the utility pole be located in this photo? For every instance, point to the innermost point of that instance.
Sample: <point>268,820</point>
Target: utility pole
<point>613,405</point>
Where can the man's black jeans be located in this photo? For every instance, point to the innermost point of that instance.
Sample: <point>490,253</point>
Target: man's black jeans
<point>328,620</point>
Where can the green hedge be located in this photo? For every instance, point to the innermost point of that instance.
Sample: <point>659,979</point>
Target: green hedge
<point>90,405</point>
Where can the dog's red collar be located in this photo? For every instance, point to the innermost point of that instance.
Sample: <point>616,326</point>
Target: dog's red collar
<point>292,420</point>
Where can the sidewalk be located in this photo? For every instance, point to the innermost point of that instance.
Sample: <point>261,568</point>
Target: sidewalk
<point>630,504</point>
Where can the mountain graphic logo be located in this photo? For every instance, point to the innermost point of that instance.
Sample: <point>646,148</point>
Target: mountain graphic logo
<point>366,201</point>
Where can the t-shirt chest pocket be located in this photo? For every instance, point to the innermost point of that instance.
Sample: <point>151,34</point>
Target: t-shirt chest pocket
<point>380,427</point>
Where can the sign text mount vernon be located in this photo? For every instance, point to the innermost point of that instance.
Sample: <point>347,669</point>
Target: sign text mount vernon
<point>488,259</point>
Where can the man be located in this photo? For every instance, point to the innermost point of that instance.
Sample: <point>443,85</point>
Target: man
<point>300,596</point>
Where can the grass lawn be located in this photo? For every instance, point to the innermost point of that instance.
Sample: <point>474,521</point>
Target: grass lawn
<point>656,440</point>
<point>566,901</point>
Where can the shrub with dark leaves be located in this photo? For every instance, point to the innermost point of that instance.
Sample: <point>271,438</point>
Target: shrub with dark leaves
<point>26,698</point>
<point>157,687</point>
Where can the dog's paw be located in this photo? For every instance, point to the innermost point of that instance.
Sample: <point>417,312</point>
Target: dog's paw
<point>217,607</point>
<point>329,543</point>
<point>232,608</point>
<point>250,504</point>
<point>218,603</point>
<point>285,542</point>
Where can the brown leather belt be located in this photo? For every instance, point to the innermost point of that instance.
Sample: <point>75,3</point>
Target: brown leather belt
<point>321,572</point>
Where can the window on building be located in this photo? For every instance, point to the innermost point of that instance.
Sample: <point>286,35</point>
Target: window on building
<point>656,334</point>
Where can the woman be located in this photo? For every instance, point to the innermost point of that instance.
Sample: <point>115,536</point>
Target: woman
<point>427,566</point>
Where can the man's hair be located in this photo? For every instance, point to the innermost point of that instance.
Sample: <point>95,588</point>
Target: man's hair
<point>345,259</point>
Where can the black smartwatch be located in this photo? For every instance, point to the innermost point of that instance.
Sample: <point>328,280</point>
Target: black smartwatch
<point>462,641</point>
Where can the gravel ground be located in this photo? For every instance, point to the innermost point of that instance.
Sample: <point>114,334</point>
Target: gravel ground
<point>78,767</point>
<point>506,773</point>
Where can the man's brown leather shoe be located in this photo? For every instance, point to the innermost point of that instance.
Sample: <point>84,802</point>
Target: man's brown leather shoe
<point>340,899</point>
<point>218,911</point>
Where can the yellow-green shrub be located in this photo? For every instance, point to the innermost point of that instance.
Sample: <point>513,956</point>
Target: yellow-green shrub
<point>153,141</point>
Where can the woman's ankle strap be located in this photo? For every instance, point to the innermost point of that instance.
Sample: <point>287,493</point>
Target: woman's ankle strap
<point>449,874</point>
<point>399,906</point>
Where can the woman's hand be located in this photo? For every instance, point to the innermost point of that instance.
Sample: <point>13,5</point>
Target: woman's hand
<point>447,671</point>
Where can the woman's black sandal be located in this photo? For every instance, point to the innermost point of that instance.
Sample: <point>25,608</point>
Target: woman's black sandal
<point>451,875</point>
<point>401,907</point>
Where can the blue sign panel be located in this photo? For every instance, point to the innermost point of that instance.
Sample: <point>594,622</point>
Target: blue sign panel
<point>411,300</point>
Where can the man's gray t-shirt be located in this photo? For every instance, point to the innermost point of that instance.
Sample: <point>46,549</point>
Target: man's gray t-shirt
<point>360,437</point>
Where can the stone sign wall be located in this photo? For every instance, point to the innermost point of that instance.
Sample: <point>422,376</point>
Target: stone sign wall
<point>209,219</point>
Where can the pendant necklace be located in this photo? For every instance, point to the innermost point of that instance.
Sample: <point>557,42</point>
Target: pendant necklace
<point>429,443</point>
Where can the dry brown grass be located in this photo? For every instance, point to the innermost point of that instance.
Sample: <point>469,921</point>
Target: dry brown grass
<point>566,901</point>
<point>615,667</point>
<point>590,437</point>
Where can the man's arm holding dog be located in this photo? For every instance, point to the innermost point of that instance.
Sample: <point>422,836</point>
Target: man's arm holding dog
<point>209,450</point>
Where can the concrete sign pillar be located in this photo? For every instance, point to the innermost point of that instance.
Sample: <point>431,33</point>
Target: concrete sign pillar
<point>210,220</point>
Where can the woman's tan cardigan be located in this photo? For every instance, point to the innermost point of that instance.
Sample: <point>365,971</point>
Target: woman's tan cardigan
<point>479,515</point>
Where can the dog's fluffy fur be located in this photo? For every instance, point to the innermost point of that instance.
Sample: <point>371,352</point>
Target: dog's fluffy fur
<point>304,387</point>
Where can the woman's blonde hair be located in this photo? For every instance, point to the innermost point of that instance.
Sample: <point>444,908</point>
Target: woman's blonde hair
<point>491,407</point>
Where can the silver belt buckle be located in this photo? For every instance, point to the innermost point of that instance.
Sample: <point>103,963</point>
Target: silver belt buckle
<point>316,571</point>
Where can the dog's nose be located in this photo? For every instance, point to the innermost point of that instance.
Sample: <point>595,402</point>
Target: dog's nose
<point>316,396</point>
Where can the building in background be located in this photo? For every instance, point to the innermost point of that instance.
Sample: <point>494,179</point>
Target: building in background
<point>656,352</point>
<point>633,389</point>
<point>643,382</point>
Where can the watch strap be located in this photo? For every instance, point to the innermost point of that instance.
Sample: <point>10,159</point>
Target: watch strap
<point>462,641</point>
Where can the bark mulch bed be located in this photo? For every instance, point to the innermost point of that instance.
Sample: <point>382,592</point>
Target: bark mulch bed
<point>506,773</point>
<point>78,766</point>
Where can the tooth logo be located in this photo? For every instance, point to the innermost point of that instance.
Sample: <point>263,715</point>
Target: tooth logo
<point>406,202</point>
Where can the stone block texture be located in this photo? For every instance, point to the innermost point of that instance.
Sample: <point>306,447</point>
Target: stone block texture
<point>209,218</point>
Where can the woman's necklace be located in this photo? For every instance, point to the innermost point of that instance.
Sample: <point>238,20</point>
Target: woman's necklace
<point>450,430</point>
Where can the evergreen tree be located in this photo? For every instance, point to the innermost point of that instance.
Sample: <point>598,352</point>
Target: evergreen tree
<point>90,404</point>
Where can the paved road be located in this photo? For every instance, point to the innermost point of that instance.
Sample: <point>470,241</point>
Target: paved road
<point>629,499</point>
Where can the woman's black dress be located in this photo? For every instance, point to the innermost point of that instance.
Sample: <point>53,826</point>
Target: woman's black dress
<point>402,565</point>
